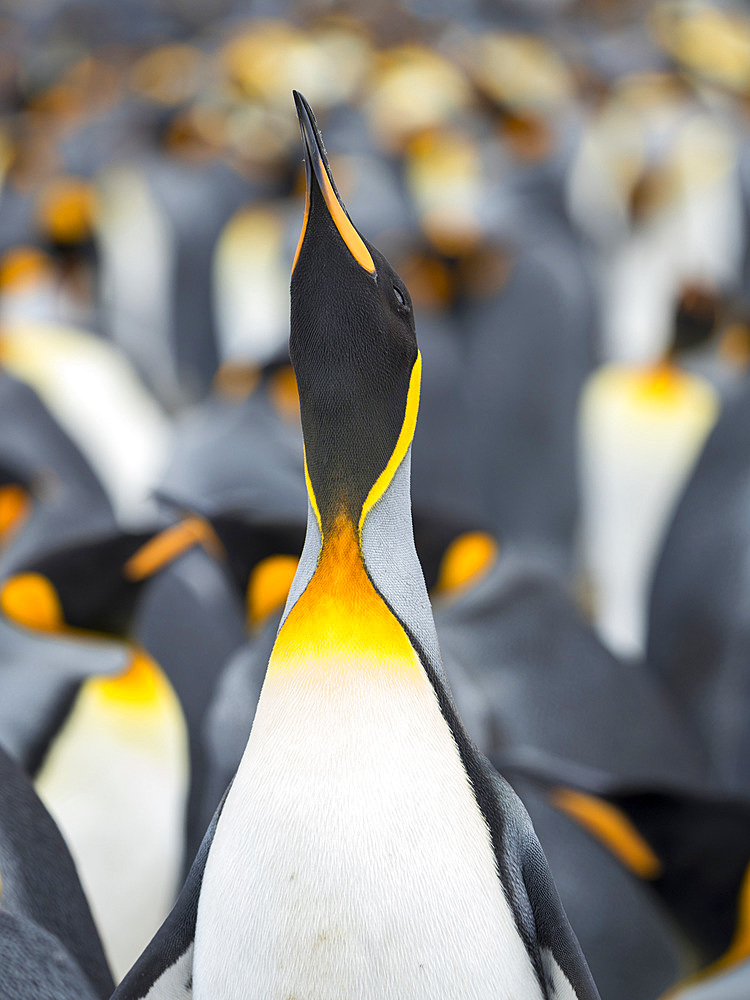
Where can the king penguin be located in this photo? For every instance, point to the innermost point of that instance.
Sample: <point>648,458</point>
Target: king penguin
<point>365,848</point>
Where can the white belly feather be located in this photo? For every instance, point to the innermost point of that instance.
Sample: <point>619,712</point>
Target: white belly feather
<point>351,859</point>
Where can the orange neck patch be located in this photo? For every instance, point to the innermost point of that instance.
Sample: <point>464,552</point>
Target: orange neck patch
<point>340,618</point>
<point>140,683</point>
<point>663,385</point>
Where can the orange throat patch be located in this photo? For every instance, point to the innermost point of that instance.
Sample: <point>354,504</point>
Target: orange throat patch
<point>341,621</point>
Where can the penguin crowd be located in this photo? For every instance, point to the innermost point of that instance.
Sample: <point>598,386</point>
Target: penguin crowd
<point>375,511</point>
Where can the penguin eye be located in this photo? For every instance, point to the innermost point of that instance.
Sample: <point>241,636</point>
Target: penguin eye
<point>400,298</point>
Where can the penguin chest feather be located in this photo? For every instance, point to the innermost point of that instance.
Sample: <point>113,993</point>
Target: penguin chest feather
<point>351,859</point>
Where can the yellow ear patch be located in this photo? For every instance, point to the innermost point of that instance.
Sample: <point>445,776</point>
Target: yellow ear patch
<point>268,586</point>
<point>165,547</point>
<point>15,505</point>
<point>67,209</point>
<point>29,599</point>
<point>467,559</point>
<point>613,828</point>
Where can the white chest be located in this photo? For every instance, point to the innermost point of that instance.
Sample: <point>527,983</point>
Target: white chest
<point>351,859</point>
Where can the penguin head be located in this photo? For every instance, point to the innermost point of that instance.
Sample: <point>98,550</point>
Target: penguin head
<point>353,347</point>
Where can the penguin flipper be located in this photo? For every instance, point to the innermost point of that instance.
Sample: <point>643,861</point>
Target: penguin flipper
<point>536,902</point>
<point>165,969</point>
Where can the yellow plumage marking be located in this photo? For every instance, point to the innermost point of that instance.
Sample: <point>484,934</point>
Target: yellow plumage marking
<point>657,391</point>
<point>165,547</point>
<point>605,822</point>
<point>15,505</point>
<point>663,384</point>
<point>268,586</point>
<point>402,444</point>
<point>467,559</point>
<point>349,234</point>
<point>22,266</point>
<point>67,209</point>
<point>142,683</point>
<point>405,437</point>
<point>340,619</point>
<point>29,599</point>
<point>311,494</point>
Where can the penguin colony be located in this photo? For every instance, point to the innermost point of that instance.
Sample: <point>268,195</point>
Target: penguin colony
<point>418,667</point>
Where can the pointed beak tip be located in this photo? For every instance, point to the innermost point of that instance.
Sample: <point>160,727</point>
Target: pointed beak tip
<point>304,112</point>
<point>318,173</point>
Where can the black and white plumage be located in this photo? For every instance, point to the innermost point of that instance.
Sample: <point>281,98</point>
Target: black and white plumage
<point>365,843</point>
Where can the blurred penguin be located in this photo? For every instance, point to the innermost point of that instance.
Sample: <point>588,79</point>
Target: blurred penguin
<point>96,397</point>
<point>690,847</point>
<point>547,683</point>
<point>158,228</point>
<point>655,188</point>
<point>49,948</point>
<point>56,495</point>
<point>698,630</point>
<point>641,430</point>
<point>105,743</point>
<point>171,590</point>
<point>589,878</point>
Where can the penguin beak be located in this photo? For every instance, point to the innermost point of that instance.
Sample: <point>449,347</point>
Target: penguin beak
<point>318,174</point>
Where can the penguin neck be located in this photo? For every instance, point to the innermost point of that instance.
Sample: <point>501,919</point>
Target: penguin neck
<point>340,618</point>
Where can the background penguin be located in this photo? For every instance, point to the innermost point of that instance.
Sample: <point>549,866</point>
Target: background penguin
<point>523,939</point>
<point>229,716</point>
<point>654,187</point>
<point>536,666</point>
<point>168,592</point>
<point>39,680</point>
<point>202,473</point>
<point>65,498</point>
<point>183,206</point>
<point>528,354</point>
<point>689,846</point>
<point>250,266</point>
<point>698,625</point>
<point>589,877</point>
<point>640,431</point>
<point>49,948</point>
<point>104,739</point>
<point>116,423</point>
